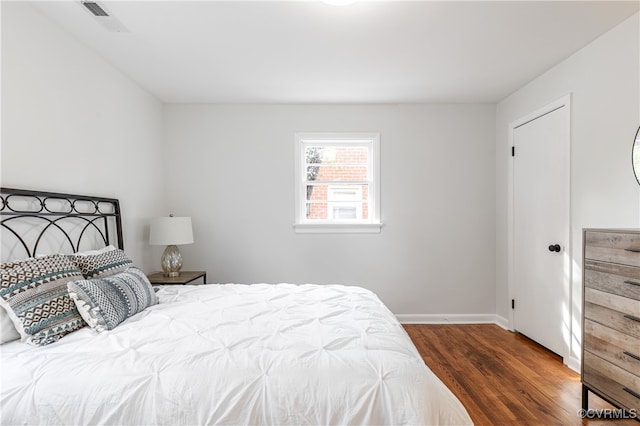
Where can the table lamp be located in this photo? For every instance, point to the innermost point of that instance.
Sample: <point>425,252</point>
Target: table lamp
<point>171,231</point>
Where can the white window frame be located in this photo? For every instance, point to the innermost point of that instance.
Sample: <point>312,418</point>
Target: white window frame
<point>370,225</point>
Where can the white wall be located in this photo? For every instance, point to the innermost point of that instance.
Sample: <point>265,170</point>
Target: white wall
<point>603,80</point>
<point>72,123</point>
<point>230,167</point>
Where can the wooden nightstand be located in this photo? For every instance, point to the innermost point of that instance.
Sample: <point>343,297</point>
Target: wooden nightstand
<point>185,277</point>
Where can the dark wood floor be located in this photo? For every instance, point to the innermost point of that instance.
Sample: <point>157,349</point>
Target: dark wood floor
<point>503,378</point>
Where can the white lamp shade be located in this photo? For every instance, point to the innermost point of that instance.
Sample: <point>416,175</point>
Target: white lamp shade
<point>171,230</point>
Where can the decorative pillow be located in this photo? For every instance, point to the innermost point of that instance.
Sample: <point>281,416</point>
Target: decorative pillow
<point>8,332</point>
<point>34,294</point>
<point>106,302</point>
<point>102,263</point>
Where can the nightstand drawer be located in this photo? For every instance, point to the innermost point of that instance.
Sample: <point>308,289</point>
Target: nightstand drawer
<point>613,278</point>
<point>621,248</point>
<point>618,384</point>
<point>616,347</point>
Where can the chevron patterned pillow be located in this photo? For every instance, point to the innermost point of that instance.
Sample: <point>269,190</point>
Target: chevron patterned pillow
<point>34,293</point>
<point>106,302</point>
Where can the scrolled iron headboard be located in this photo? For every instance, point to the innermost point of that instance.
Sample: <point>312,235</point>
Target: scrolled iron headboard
<point>35,222</point>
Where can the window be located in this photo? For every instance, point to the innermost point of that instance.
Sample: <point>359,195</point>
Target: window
<point>337,182</point>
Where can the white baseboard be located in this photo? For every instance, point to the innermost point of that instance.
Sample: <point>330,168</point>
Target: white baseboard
<point>573,363</point>
<point>503,322</point>
<point>450,319</point>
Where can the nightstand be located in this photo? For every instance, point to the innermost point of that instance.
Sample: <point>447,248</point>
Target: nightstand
<point>185,277</point>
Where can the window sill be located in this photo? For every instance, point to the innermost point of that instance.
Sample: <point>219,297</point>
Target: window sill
<point>337,228</point>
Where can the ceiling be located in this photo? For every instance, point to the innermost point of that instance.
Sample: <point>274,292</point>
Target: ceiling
<point>311,52</point>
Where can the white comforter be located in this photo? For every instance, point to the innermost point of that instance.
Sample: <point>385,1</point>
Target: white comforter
<point>232,354</point>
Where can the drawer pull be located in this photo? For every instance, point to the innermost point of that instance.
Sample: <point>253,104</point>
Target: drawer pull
<point>632,318</point>
<point>636,394</point>
<point>634,356</point>
<point>633,250</point>
<point>632,282</point>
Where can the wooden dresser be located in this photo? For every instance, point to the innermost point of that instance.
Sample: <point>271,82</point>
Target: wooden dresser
<point>611,317</point>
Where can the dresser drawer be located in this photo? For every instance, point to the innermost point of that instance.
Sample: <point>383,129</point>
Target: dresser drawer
<point>622,248</point>
<point>613,278</point>
<point>613,346</point>
<point>610,380</point>
<point>613,311</point>
<point>613,319</point>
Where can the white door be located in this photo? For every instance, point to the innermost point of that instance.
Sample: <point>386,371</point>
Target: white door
<point>541,229</point>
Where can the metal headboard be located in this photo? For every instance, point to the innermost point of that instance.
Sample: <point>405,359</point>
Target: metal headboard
<point>30,220</point>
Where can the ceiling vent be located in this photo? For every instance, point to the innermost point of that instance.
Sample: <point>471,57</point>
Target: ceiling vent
<point>109,22</point>
<point>94,8</point>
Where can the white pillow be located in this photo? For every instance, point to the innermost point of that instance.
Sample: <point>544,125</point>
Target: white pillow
<point>84,253</point>
<point>8,331</point>
<point>94,252</point>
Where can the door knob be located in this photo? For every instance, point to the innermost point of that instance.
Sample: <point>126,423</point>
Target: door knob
<point>555,247</point>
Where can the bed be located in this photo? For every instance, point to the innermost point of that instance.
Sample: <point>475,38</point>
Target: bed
<point>217,354</point>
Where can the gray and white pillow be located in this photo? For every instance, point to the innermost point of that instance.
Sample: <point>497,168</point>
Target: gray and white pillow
<point>34,294</point>
<point>106,302</point>
<point>101,263</point>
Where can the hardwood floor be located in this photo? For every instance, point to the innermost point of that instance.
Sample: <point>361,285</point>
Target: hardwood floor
<point>503,378</point>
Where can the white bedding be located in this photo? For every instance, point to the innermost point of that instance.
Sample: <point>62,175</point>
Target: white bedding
<point>232,354</point>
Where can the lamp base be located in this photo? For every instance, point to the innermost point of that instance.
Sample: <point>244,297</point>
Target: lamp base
<point>171,261</point>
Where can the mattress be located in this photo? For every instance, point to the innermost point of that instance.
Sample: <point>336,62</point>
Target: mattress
<point>232,354</point>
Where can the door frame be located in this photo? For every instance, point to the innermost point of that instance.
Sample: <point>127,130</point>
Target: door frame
<point>563,102</point>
